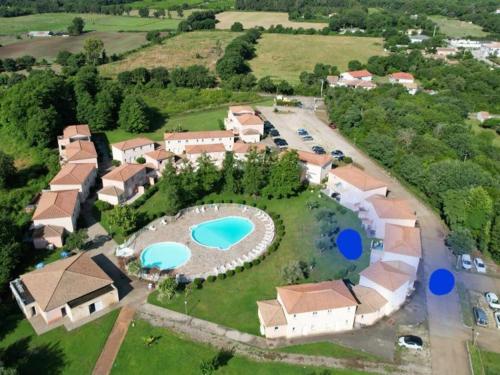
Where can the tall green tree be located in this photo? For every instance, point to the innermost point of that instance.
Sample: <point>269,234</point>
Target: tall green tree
<point>9,249</point>
<point>107,105</point>
<point>207,174</point>
<point>253,173</point>
<point>170,190</point>
<point>122,219</point>
<point>7,169</point>
<point>93,49</point>
<point>284,179</point>
<point>76,27</point>
<point>229,172</point>
<point>133,117</point>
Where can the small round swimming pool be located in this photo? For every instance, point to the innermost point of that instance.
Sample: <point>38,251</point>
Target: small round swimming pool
<point>222,233</point>
<point>165,255</point>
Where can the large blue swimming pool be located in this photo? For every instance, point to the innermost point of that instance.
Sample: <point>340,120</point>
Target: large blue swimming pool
<point>222,233</point>
<point>165,255</point>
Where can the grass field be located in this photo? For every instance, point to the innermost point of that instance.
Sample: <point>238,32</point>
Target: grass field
<point>264,19</point>
<point>47,48</point>
<point>456,28</point>
<point>198,47</point>
<point>206,4</point>
<point>484,362</point>
<point>236,296</point>
<point>93,22</point>
<point>328,349</point>
<point>286,56</point>
<point>174,354</point>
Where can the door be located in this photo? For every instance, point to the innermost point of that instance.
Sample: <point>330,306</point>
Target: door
<point>92,308</point>
<point>63,311</point>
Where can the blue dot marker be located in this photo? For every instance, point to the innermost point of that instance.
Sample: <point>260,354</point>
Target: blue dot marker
<point>441,282</point>
<point>350,244</point>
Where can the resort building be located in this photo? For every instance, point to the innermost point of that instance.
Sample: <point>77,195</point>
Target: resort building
<point>315,167</point>
<point>79,177</point>
<point>80,152</point>
<point>335,81</point>
<point>75,288</point>
<point>158,159</point>
<point>446,51</point>
<point>351,186</point>
<point>57,208</point>
<point>128,151</point>
<point>308,309</point>
<point>490,49</point>
<point>177,142</point>
<point>48,236</point>
<point>122,183</point>
<point>401,77</point>
<point>243,122</point>
<point>372,306</point>
<point>73,133</point>
<point>363,75</point>
<point>240,149</point>
<point>418,38</point>
<point>464,43</point>
<point>216,152</point>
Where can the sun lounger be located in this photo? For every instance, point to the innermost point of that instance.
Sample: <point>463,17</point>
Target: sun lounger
<point>152,228</point>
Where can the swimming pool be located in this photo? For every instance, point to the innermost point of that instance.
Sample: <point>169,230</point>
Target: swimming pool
<point>165,255</point>
<point>222,233</point>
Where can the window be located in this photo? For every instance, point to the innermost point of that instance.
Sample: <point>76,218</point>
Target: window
<point>294,315</point>
<point>276,328</point>
<point>315,313</point>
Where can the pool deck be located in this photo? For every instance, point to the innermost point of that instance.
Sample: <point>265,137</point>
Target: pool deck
<point>206,261</point>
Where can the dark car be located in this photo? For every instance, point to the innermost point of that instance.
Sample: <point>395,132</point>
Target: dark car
<point>274,133</point>
<point>318,150</point>
<point>337,154</point>
<point>268,126</point>
<point>480,317</point>
<point>411,342</point>
<point>307,138</point>
<point>280,142</point>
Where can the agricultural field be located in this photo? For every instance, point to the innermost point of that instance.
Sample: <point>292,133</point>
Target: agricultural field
<point>283,56</point>
<point>456,28</point>
<point>47,48</point>
<point>264,19</point>
<point>198,47</point>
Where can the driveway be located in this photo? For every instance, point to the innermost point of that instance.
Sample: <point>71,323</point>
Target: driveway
<point>447,333</point>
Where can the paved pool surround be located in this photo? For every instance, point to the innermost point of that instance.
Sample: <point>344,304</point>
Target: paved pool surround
<point>204,260</point>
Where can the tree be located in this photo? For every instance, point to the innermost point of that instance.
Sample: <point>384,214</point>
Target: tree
<point>134,267</point>
<point>284,88</point>
<point>229,173</point>
<point>7,169</point>
<point>77,240</point>
<point>62,57</point>
<point>294,272</point>
<point>354,65</point>
<point>231,65</point>
<point>266,84</point>
<point>9,249</point>
<point>159,13</point>
<point>237,26</point>
<point>93,49</point>
<point>107,104</point>
<point>76,26</point>
<point>460,241</point>
<point>167,288</point>
<point>284,179</point>
<point>153,36</point>
<point>122,219</point>
<point>495,238</point>
<point>170,190</point>
<point>253,173</point>
<point>143,12</point>
<point>207,174</point>
<point>133,117</point>
<point>159,76</point>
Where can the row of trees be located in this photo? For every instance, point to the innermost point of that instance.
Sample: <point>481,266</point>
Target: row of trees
<point>202,20</point>
<point>13,65</point>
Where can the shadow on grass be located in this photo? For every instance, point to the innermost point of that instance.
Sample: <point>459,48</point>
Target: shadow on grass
<point>25,175</point>
<point>11,316</point>
<point>156,118</point>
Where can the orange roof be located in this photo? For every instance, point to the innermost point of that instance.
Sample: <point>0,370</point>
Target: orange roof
<point>358,178</point>
<point>385,275</point>
<point>248,119</point>
<point>243,148</point>
<point>402,240</point>
<point>360,73</point>
<point>111,190</point>
<point>56,204</point>
<point>239,109</point>
<point>47,231</point>
<point>73,174</point>
<point>198,135</point>
<point>250,132</point>
<point>132,143</point>
<point>392,208</point>
<point>370,300</point>
<point>205,149</point>
<point>272,313</point>
<point>312,158</point>
<point>80,150</point>
<point>314,297</point>
<point>160,154</point>
<point>74,130</point>
<point>124,172</point>
<point>402,75</point>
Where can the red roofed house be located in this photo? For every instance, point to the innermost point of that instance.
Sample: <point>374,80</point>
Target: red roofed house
<point>216,152</point>
<point>122,183</point>
<point>159,158</point>
<point>372,306</point>
<point>363,75</point>
<point>401,77</point>
<point>243,121</point>
<point>177,142</point>
<point>73,133</point>
<point>128,151</point>
<point>315,167</point>
<point>483,116</point>
<point>79,177</point>
<point>240,149</point>
<point>80,152</point>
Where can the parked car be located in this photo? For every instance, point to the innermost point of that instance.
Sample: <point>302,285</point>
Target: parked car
<point>466,262</point>
<point>496,315</point>
<point>307,138</point>
<point>480,316</point>
<point>318,150</point>
<point>480,267</point>
<point>302,132</point>
<point>274,133</point>
<point>492,300</point>
<point>280,142</point>
<point>337,154</point>
<point>268,126</point>
<point>411,342</point>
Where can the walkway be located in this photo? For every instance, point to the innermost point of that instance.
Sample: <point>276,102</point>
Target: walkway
<point>110,351</point>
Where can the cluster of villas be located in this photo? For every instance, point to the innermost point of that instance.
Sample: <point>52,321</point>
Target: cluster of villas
<point>485,48</point>
<point>334,306</point>
<point>364,79</point>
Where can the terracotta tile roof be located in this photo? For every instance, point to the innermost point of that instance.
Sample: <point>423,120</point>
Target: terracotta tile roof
<point>403,240</point>
<point>238,109</point>
<point>360,73</point>
<point>65,280</point>
<point>392,208</point>
<point>248,119</point>
<point>74,130</point>
<point>250,132</point>
<point>56,204</point>
<point>80,150</point>
<point>46,231</point>
<point>402,267</point>
<point>160,154</point>
<point>315,297</point>
<point>370,300</point>
<point>124,172</point>
<point>132,143</point>
<point>312,158</point>
<point>111,190</point>
<point>385,275</point>
<point>402,75</point>
<point>410,85</point>
<point>198,135</point>
<point>272,313</point>
<point>205,149</point>
<point>73,174</point>
<point>365,84</point>
<point>358,178</point>
<point>243,148</point>
<point>332,79</point>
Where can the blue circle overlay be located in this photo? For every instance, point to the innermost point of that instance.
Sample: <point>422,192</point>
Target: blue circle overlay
<point>441,282</point>
<point>350,244</point>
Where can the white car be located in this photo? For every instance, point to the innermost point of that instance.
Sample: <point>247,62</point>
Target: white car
<point>480,267</point>
<point>411,342</point>
<point>466,262</point>
<point>496,315</point>
<point>492,300</point>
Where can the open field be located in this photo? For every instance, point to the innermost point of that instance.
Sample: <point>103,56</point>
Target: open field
<point>93,22</point>
<point>328,349</point>
<point>47,48</point>
<point>264,19</point>
<point>484,362</point>
<point>198,47</point>
<point>284,56</point>
<point>456,28</point>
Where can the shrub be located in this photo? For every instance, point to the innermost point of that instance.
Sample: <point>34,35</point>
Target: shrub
<point>198,283</point>
<point>115,163</point>
<point>140,160</point>
<point>347,160</point>
<point>103,206</point>
<point>262,207</point>
<point>229,201</point>
<point>211,278</point>
<point>221,276</point>
<point>255,262</point>
<point>239,269</point>
<point>237,26</point>
<point>247,265</point>
<point>230,273</point>
<point>262,257</point>
<point>254,204</point>
<point>242,201</point>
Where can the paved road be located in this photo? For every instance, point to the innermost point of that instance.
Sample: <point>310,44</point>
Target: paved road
<point>447,333</point>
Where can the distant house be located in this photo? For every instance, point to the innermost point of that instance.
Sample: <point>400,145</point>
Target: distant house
<point>401,77</point>
<point>40,34</point>
<point>411,32</point>
<point>483,116</point>
<point>243,121</point>
<point>240,149</point>
<point>464,43</point>
<point>57,208</point>
<point>79,177</point>
<point>216,152</point>
<point>177,142</point>
<point>418,38</point>
<point>72,288</point>
<point>411,87</point>
<point>446,51</point>
<point>73,133</point>
<point>490,49</point>
<point>122,183</point>
<point>363,75</point>
<point>315,167</point>
<point>80,152</point>
<point>128,151</point>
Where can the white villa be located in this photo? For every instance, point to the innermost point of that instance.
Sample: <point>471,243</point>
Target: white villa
<point>464,43</point>
<point>216,152</point>
<point>243,121</point>
<point>315,167</point>
<point>122,183</point>
<point>79,177</point>
<point>355,79</point>
<point>128,151</point>
<point>73,133</point>
<point>177,142</point>
<point>401,77</point>
<point>158,159</point>
<point>363,75</point>
<point>57,208</point>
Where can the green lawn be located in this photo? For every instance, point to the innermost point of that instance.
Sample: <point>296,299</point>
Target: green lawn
<point>55,352</point>
<point>484,362</point>
<point>93,22</point>
<point>456,29</point>
<point>236,296</point>
<point>174,354</point>
<point>329,349</point>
